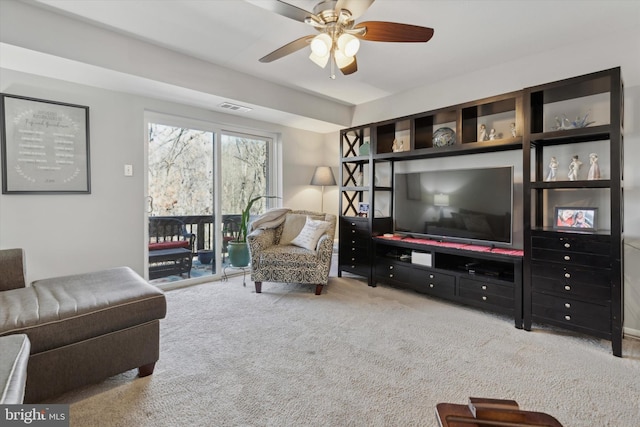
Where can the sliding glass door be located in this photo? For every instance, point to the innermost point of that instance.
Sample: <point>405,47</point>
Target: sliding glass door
<point>200,179</point>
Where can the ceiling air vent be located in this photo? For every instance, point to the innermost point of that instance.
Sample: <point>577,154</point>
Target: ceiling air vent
<point>234,107</point>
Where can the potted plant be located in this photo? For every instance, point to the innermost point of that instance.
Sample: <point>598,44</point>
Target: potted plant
<point>238,249</point>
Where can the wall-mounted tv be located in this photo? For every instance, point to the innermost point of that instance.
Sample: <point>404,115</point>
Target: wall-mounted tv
<point>471,205</point>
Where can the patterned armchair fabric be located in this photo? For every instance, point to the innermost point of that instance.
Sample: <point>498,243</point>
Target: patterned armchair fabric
<point>273,262</point>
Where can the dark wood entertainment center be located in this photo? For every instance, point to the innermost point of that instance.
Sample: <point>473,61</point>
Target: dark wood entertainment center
<point>563,276</point>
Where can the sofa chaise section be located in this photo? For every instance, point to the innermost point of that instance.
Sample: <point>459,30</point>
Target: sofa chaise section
<point>84,328</point>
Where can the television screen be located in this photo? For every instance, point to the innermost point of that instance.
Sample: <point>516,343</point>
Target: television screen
<point>459,205</point>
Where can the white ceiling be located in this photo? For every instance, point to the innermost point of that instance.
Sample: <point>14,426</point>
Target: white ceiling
<point>469,35</point>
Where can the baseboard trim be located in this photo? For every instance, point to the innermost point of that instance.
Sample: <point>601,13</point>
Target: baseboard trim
<point>631,333</point>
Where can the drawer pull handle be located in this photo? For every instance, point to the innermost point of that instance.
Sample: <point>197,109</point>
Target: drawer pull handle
<point>567,245</point>
<point>431,285</point>
<point>484,298</point>
<point>567,288</point>
<point>353,259</point>
<point>353,266</point>
<point>567,317</point>
<point>484,287</point>
<point>353,231</point>
<point>353,242</point>
<point>353,224</point>
<point>567,258</point>
<point>567,305</point>
<point>567,275</point>
<point>431,276</point>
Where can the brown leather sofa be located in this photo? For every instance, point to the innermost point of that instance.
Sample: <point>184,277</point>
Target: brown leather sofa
<point>82,328</point>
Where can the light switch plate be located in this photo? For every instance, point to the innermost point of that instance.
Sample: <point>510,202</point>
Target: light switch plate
<point>128,170</point>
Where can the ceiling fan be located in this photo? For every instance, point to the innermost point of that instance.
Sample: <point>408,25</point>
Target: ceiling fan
<point>339,38</point>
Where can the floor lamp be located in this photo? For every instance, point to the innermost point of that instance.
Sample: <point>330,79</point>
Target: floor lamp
<point>323,176</point>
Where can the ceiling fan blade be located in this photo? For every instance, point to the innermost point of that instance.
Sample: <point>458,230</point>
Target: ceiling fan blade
<point>351,68</point>
<point>356,7</point>
<point>379,31</point>
<point>284,9</point>
<point>288,48</point>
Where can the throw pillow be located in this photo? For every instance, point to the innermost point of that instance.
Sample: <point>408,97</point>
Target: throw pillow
<point>310,234</point>
<point>293,224</point>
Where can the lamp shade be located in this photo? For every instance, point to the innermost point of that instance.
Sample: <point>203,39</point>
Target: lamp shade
<point>323,175</point>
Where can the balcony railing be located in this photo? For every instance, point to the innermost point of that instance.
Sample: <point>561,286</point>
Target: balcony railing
<point>202,226</point>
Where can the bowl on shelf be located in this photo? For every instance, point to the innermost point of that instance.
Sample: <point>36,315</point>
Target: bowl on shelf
<point>443,137</point>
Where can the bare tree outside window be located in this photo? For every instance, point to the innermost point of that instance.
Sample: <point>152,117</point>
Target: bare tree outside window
<point>180,171</point>
<point>245,167</point>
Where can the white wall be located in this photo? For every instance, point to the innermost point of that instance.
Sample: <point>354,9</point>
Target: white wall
<point>564,62</point>
<point>67,234</point>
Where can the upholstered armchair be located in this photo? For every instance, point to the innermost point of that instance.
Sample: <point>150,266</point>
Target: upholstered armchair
<point>298,250</point>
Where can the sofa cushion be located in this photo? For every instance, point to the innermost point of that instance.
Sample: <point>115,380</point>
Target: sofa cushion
<point>64,310</point>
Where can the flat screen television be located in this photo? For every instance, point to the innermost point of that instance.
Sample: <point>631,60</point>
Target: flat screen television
<point>472,205</point>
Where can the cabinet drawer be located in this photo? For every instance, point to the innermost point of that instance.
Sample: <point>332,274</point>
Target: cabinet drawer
<point>354,257</point>
<point>433,283</point>
<point>572,274</point>
<point>485,287</point>
<point>568,243</point>
<point>572,312</point>
<point>486,293</point>
<point>571,258</point>
<point>580,290</point>
<point>392,272</point>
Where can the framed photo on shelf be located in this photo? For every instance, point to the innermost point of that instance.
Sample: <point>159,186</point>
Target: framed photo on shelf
<point>45,146</point>
<point>573,218</point>
<point>363,209</point>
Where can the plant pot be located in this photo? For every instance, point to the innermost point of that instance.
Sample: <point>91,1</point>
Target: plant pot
<point>205,257</point>
<point>238,254</point>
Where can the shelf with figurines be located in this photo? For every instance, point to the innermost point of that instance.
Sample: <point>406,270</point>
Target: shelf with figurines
<point>584,165</point>
<point>492,119</point>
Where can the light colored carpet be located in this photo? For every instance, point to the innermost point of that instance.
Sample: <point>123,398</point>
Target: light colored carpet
<point>354,356</point>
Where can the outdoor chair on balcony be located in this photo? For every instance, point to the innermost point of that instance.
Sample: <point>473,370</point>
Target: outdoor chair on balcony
<point>230,232</point>
<point>298,250</point>
<point>170,248</point>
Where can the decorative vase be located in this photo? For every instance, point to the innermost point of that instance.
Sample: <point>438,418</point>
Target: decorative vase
<point>205,257</point>
<point>238,254</point>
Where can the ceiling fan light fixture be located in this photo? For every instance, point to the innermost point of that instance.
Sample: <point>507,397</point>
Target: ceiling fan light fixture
<point>348,44</point>
<point>320,61</point>
<point>342,61</point>
<point>321,45</point>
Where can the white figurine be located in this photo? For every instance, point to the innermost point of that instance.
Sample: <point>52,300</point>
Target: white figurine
<point>513,130</point>
<point>483,133</point>
<point>397,146</point>
<point>553,168</point>
<point>493,135</point>
<point>574,168</point>
<point>594,169</point>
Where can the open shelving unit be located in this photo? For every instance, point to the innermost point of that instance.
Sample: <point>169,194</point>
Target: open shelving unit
<point>574,277</point>
<point>571,278</point>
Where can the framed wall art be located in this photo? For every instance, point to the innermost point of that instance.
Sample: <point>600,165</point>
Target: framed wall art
<point>45,146</point>
<point>578,219</point>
